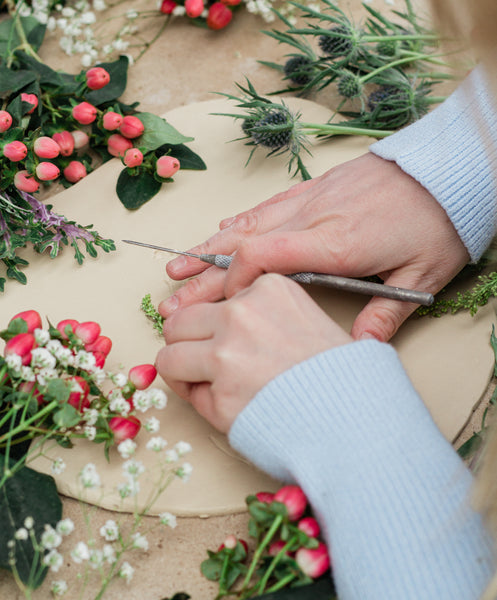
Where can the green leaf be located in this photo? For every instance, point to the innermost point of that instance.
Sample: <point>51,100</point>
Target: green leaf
<point>66,416</point>
<point>493,343</point>
<point>58,389</point>
<point>10,40</point>
<point>135,191</point>
<point>470,446</point>
<point>63,83</point>
<point>27,494</point>
<point>322,589</point>
<point>211,569</point>
<point>187,158</point>
<point>13,81</point>
<point>118,71</point>
<point>158,132</point>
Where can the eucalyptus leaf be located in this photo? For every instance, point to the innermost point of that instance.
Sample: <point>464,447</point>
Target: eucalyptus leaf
<point>118,71</point>
<point>134,191</point>
<point>58,389</point>
<point>66,416</point>
<point>27,494</point>
<point>158,132</point>
<point>187,158</point>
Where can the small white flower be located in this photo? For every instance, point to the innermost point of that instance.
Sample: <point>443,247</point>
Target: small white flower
<point>171,456</point>
<point>54,346</point>
<point>120,405</point>
<point>14,361</point>
<point>42,336</point>
<point>21,534</point>
<point>88,18</point>
<point>133,468</point>
<point>96,559</point>
<point>88,477</point>
<point>126,448</point>
<point>184,471</point>
<point>27,374</point>
<point>58,466</point>
<point>99,5</point>
<point>98,375</point>
<point>126,572</point>
<point>90,432</point>
<point>179,11</point>
<point>29,522</point>
<point>90,416</point>
<point>158,398</point>
<point>45,375</point>
<point>166,518</point>
<point>65,527</point>
<point>64,356</point>
<point>131,14</point>
<point>80,553</point>
<point>182,448</point>
<point>41,357</point>
<point>141,400</point>
<point>84,360</point>
<point>50,539</point>
<point>51,24</point>
<point>67,11</point>
<point>120,44</point>
<point>109,554</point>
<point>110,531</point>
<point>59,588</point>
<point>129,489</point>
<point>140,542</point>
<point>156,444</point>
<point>24,11</point>
<point>118,379</point>
<point>152,425</point>
<point>53,560</point>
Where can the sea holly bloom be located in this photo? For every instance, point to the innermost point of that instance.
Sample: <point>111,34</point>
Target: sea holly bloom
<point>65,326</point>
<point>81,139</point>
<point>133,158</point>
<point>25,182</point>
<point>131,127</point>
<point>5,120</point>
<point>219,16</point>
<point>46,171</point>
<point>309,526</point>
<point>294,499</point>
<point>65,141</point>
<point>15,151</point>
<point>87,332</point>
<point>142,376</point>
<point>84,113</point>
<point>112,120</point>
<point>97,78</point>
<point>124,428</point>
<point>21,344</point>
<point>118,144</point>
<point>75,171</point>
<point>167,166</point>
<point>168,6</point>
<point>313,562</point>
<point>30,99</point>
<point>31,317</point>
<point>194,8</point>
<point>46,147</point>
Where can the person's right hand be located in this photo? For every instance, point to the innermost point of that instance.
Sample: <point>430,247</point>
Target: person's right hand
<point>364,217</point>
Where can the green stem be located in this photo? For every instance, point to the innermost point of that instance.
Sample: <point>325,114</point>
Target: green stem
<point>273,565</point>
<point>394,63</point>
<point>427,37</point>
<point>281,583</point>
<point>158,34</point>
<point>22,426</point>
<point>316,128</point>
<point>222,577</point>
<point>25,45</point>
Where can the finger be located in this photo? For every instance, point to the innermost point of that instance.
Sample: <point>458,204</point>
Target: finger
<point>206,287</point>
<point>186,361</point>
<point>195,322</point>
<point>382,317</point>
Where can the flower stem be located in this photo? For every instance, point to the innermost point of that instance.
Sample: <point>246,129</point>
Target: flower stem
<point>281,583</point>
<point>22,426</point>
<point>273,565</point>
<point>329,129</point>
<point>25,45</point>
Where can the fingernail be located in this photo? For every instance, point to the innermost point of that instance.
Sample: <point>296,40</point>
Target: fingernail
<point>179,262</point>
<point>366,335</point>
<point>170,304</point>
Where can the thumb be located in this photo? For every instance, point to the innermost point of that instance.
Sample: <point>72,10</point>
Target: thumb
<point>382,317</point>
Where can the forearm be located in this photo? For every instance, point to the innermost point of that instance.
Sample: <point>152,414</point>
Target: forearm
<point>452,152</point>
<point>391,493</point>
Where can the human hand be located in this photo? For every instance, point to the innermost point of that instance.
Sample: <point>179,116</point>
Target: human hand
<point>219,355</point>
<point>364,217</point>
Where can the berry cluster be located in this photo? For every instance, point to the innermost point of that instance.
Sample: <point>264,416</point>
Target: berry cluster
<point>217,15</point>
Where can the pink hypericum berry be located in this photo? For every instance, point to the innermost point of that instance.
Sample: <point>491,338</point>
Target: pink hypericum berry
<point>117,144</point>
<point>294,499</point>
<point>84,113</point>
<point>81,139</point>
<point>46,147</point>
<point>142,376</point>
<point>15,151</point>
<point>167,166</point>
<point>31,317</point>
<point>65,141</point>
<point>133,158</point>
<point>88,331</point>
<point>99,359</point>
<point>309,526</point>
<point>218,16</point>
<point>124,428</point>
<point>21,344</point>
<point>231,2</point>
<point>75,171</point>
<point>266,497</point>
<point>131,127</point>
<point>194,8</point>
<point>67,325</point>
<point>5,120</point>
<point>112,120</point>
<point>230,543</point>
<point>314,562</point>
<point>46,171</point>
<point>25,182</point>
<point>31,99</point>
<point>29,387</point>
<point>102,344</point>
<point>276,547</point>
<point>168,6</point>
<point>97,78</point>
<point>79,399</point>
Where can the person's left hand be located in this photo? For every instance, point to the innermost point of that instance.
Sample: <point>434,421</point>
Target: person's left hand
<point>218,356</point>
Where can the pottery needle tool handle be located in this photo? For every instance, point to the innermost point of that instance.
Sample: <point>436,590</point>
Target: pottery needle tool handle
<point>336,282</point>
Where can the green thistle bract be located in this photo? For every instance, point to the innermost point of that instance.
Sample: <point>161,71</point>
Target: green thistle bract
<point>349,85</point>
<point>398,104</point>
<point>274,130</point>
<point>338,42</point>
<point>388,47</point>
<point>299,69</point>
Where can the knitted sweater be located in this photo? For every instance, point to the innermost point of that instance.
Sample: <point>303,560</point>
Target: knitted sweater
<point>390,492</point>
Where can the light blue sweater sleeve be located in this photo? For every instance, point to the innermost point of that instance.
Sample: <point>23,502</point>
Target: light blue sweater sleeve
<point>452,152</point>
<point>389,490</point>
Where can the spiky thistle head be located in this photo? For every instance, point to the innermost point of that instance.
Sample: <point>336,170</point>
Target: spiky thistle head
<point>350,85</point>
<point>299,69</point>
<point>338,41</point>
<point>398,104</point>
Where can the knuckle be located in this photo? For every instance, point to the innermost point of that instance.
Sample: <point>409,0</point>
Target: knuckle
<point>193,289</point>
<point>246,223</point>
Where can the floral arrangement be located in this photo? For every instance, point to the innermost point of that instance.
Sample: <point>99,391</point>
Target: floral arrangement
<point>54,387</point>
<point>288,552</point>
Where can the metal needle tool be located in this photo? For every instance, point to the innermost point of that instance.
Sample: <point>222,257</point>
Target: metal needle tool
<point>346,284</point>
